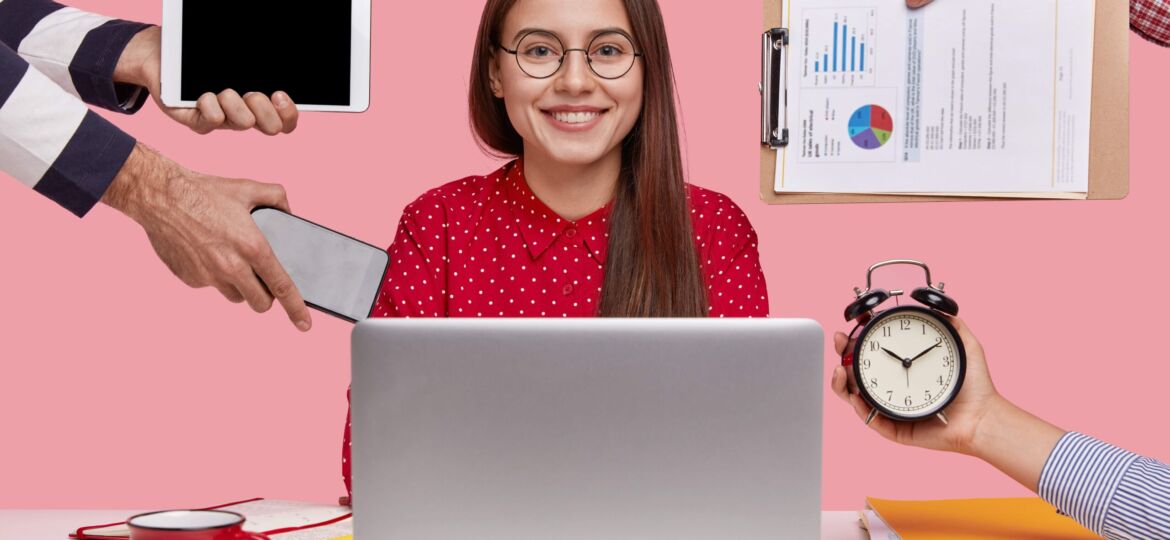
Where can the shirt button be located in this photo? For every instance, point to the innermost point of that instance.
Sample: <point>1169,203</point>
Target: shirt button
<point>567,289</point>
<point>569,233</point>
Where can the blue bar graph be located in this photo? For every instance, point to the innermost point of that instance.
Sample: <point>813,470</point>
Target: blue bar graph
<point>826,62</point>
<point>818,66</point>
<point>844,46</point>
<point>835,27</point>
<point>853,54</point>
<point>863,56</point>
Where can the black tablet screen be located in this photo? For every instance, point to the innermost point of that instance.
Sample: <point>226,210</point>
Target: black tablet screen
<point>265,46</point>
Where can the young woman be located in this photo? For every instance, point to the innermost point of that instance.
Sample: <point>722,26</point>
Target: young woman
<point>592,217</point>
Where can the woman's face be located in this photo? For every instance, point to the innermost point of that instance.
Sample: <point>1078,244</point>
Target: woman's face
<point>573,117</point>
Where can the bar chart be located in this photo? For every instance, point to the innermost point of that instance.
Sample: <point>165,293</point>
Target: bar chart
<point>838,47</point>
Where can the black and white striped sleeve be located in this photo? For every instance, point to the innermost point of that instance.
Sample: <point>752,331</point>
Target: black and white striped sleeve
<point>77,50</point>
<point>1111,491</point>
<point>49,140</point>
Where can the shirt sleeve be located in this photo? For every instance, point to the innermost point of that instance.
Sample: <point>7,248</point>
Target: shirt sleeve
<point>731,262</point>
<point>1111,491</point>
<point>1151,20</point>
<point>51,142</point>
<point>76,50</point>
<point>415,284</point>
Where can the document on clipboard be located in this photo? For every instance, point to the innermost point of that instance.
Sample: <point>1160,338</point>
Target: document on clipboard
<point>962,98</point>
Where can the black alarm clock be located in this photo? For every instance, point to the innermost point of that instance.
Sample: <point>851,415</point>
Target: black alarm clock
<point>908,362</point>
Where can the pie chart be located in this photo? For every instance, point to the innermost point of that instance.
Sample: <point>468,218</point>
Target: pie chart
<point>871,127</point>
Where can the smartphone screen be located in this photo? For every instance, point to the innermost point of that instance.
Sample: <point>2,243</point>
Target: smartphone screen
<point>334,273</point>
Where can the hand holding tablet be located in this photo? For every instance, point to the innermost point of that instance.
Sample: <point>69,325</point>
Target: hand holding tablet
<point>140,65</point>
<point>319,58</point>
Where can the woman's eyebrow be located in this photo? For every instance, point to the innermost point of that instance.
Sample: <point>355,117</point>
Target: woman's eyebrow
<point>612,29</point>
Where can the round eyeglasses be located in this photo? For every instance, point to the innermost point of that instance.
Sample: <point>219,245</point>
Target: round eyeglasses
<point>541,54</point>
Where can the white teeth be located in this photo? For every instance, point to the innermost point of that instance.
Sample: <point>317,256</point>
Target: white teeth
<point>575,117</point>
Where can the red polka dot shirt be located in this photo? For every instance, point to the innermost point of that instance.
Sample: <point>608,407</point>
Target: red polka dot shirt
<point>486,246</point>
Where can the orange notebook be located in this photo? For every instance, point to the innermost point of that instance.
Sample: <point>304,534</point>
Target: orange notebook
<point>978,519</point>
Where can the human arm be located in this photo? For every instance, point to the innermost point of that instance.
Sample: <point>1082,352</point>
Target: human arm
<point>115,64</point>
<point>140,64</point>
<point>415,283</point>
<point>1106,489</point>
<point>729,257</point>
<point>201,227</point>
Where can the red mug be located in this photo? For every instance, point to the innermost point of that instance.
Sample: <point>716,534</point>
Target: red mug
<point>190,525</point>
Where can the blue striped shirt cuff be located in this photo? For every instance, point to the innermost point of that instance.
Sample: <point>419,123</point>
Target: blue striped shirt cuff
<point>87,165</point>
<point>1111,491</point>
<point>92,68</point>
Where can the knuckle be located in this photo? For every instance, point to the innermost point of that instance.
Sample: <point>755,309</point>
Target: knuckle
<point>281,288</point>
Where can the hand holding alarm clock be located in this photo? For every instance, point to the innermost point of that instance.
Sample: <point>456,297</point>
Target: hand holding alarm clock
<point>910,363</point>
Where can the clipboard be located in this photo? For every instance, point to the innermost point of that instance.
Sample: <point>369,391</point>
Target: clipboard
<point>1109,124</point>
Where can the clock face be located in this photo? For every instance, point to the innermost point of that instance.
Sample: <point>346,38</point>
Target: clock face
<point>909,363</point>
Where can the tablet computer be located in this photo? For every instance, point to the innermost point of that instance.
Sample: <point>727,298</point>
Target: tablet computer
<point>319,54</point>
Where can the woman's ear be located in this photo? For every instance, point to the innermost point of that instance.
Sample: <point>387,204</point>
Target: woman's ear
<point>494,78</point>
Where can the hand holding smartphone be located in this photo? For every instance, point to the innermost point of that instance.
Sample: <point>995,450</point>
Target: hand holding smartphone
<point>335,273</point>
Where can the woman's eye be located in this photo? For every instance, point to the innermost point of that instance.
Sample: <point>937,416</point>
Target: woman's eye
<point>539,51</point>
<point>608,50</point>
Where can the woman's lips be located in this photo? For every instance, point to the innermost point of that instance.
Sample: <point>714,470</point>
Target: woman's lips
<point>574,120</point>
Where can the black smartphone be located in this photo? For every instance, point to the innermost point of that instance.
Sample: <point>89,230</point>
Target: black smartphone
<point>335,273</point>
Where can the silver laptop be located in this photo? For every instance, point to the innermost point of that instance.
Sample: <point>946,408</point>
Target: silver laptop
<point>654,429</point>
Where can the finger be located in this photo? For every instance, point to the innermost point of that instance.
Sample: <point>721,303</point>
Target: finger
<point>281,286</point>
<point>287,110</point>
<point>840,341</point>
<point>267,121</point>
<point>236,111</point>
<point>915,4</point>
<point>254,292</point>
<point>272,195</point>
<point>230,293</point>
<point>209,115</point>
<point>838,383</point>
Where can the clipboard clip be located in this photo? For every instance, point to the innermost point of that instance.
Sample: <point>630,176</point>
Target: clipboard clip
<point>774,89</point>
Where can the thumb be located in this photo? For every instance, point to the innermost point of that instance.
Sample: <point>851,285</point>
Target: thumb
<point>915,4</point>
<point>272,195</point>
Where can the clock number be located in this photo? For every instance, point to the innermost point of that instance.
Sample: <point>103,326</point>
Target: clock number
<point>940,381</point>
<point>889,395</point>
<point>909,401</point>
<point>938,339</point>
<point>905,325</point>
<point>873,383</point>
<point>865,364</point>
<point>887,331</point>
<point>928,398</point>
<point>948,362</point>
<point>924,329</point>
<point>875,346</point>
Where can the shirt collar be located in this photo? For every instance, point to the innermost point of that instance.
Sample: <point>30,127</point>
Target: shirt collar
<point>541,226</point>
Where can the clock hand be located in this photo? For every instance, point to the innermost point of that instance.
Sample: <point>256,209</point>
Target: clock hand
<point>923,353</point>
<point>891,353</point>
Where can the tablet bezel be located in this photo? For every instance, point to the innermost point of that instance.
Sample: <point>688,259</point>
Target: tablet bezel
<point>359,82</point>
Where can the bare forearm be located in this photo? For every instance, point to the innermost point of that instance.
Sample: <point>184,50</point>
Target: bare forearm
<point>139,182</point>
<point>141,53</point>
<point>1014,441</point>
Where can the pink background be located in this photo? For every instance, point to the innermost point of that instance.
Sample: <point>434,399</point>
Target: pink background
<point>120,387</point>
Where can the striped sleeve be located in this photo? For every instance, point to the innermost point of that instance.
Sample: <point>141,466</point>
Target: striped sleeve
<point>51,142</point>
<point>1111,491</point>
<point>76,50</point>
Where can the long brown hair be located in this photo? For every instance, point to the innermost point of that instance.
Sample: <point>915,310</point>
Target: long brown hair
<point>652,269</point>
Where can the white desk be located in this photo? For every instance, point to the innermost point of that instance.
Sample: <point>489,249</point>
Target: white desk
<point>56,524</point>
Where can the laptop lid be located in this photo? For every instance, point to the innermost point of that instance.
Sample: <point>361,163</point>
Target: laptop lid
<point>587,428</point>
